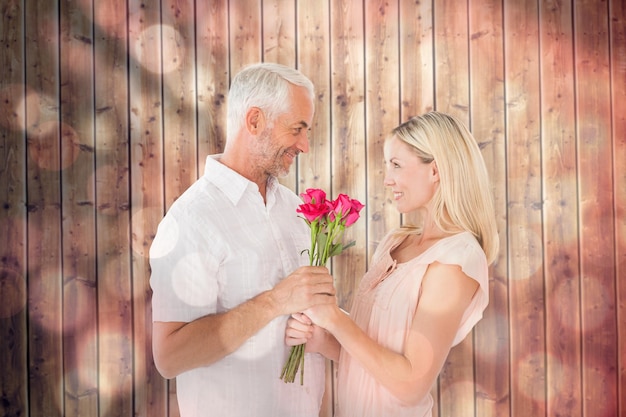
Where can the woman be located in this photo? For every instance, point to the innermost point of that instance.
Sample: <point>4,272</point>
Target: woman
<point>428,284</point>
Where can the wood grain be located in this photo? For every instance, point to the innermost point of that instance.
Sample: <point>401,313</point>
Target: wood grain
<point>146,178</point>
<point>112,196</point>
<point>560,225</point>
<point>44,201</point>
<point>596,208</point>
<point>80,337</point>
<point>617,14</point>
<point>109,109</point>
<point>212,74</point>
<point>454,392</point>
<point>525,243</point>
<point>14,395</point>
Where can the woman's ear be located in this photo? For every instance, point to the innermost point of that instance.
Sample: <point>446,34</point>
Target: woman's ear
<point>255,120</point>
<point>434,171</point>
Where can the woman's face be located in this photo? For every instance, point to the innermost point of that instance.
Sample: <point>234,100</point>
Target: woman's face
<point>412,182</point>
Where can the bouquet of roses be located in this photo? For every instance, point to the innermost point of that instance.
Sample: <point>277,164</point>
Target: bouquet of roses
<point>328,220</point>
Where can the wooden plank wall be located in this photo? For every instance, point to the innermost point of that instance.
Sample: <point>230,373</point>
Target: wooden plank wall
<point>109,107</point>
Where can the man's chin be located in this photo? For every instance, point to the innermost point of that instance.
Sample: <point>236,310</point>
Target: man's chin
<point>283,173</point>
<point>284,169</point>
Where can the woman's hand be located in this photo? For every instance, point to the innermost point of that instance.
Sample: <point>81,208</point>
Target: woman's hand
<point>324,315</point>
<point>301,329</point>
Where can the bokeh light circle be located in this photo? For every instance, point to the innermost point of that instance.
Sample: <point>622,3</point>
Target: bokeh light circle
<point>148,44</point>
<point>48,151</point>
<point>16,102</point>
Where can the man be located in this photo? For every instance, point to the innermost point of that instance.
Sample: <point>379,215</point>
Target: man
<point>227,262</point>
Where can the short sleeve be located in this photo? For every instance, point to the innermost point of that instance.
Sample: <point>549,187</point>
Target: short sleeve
<point>464,251</point>
<point>184,274</point>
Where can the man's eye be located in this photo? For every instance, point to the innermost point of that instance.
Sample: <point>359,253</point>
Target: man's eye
<point>296,131</point>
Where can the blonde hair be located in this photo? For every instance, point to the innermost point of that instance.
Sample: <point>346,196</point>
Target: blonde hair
<point>463,199</point>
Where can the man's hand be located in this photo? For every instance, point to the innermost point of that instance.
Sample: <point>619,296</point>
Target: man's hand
<point>306,287</point>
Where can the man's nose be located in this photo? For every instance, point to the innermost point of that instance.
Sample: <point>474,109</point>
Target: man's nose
<point>303,142</point>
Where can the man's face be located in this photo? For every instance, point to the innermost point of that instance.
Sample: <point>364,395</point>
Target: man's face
<point>279,144</point>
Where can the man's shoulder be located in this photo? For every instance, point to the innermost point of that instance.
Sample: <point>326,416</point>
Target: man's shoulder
<point>201,195</point>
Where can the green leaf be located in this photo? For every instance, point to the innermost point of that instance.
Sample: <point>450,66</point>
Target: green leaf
<point>349,245</point>
<point>335,249</point>
<point>321,239</point>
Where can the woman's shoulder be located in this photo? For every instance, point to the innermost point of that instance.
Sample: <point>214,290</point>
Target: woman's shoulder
<point>461,249</point>
<point>463,239</point>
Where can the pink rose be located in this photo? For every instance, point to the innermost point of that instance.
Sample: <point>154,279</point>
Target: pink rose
<point>353,215</point>
<point>314,195</point>
<point>312,211</point>
<point>346,208</point>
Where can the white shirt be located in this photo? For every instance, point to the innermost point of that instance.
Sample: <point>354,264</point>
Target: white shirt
<point>218,246</point>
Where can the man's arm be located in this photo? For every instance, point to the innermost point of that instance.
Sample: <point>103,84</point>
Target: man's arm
<point>180,346</point>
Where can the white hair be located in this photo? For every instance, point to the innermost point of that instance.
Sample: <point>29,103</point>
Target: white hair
<point>266,86</point>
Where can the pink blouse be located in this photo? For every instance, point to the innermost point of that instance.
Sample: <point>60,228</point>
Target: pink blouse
<point>384,306</point>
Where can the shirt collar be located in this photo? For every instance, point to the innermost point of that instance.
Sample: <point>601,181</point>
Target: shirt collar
<point>230,182</point>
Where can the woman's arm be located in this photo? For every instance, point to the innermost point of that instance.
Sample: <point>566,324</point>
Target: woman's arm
<point>446,293</point>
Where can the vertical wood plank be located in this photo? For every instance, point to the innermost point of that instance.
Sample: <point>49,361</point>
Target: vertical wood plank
<point>417,81</point>
<point>147,193</point>
<point>451,58</point>
<point>313,49</point>
<point>278,41</point>
<point>244,33</point>
<point>313,46</point>
<point>560,225</point>
<point>452,88</point>
<point>13,310</point>
<point>180,154</point>
<point>617,13</point>
<point>179,92</point>
<point>596,208</point>
<point>523,184</point>
<point>79,254</point>
<point>382,110</point>
<point>347,126</point>
<point>417,68</point>
<point>44,201</point>
<point>111,182</point>
<point>451,96</point>
<point>213,77</point>
<point>487,122</point>
<point>347,137</point>
<point>279,31</point>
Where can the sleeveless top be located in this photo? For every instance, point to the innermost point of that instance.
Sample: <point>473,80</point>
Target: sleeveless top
<point>384,306</point>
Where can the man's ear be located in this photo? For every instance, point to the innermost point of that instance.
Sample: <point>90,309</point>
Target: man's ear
<point>255,120</point>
